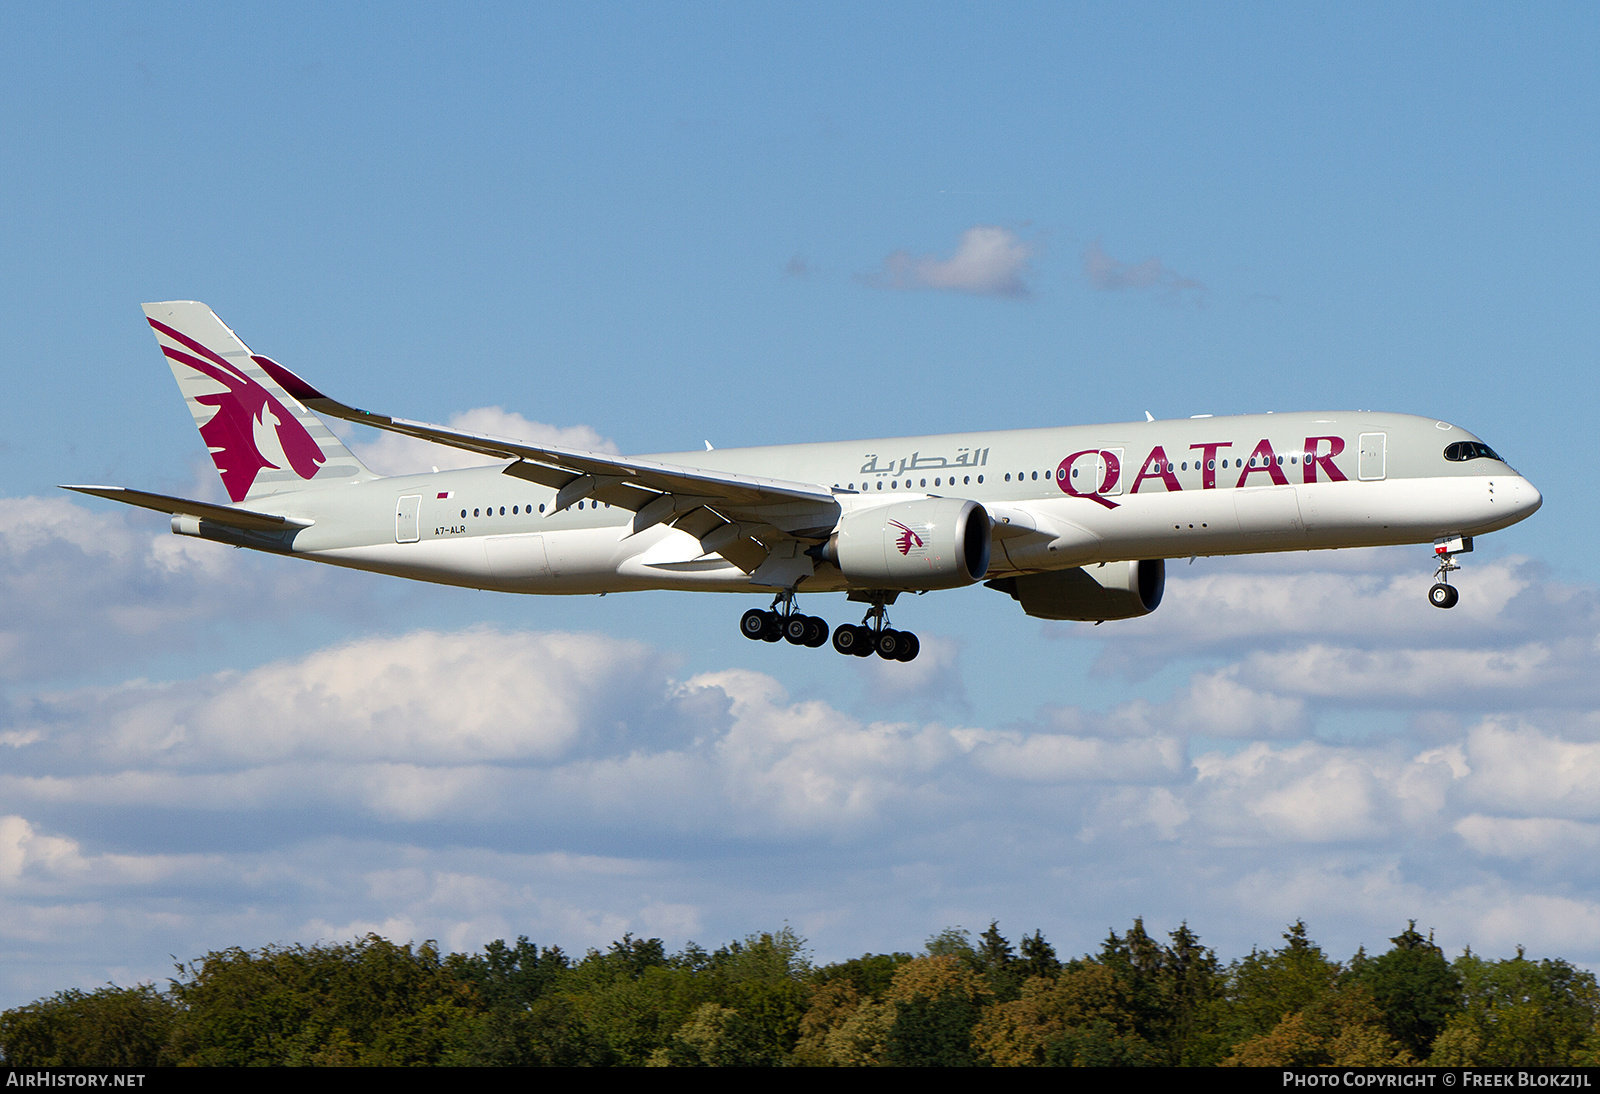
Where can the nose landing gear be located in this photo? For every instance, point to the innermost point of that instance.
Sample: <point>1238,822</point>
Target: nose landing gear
<point>1443,594</point>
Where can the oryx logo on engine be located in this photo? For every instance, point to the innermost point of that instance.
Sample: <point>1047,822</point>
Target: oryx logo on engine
<point>908,540</point>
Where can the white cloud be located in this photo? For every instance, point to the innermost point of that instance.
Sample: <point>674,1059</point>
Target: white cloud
<point>467,697</point>
<point>1108,274</point>
<point>1537,839</point>
<point>82,588</point>
<point>1064,758</point>
<point>1353,628</point>
<point>1304,792</point>
<point>1443,676</point>
<point>1520,769</point>
<point>933,678</point>
<point>488,782</point>
<point>988,261</point>
<point>31,860</point>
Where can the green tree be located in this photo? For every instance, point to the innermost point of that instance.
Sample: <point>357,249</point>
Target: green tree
<point>369,1002</point>
<point>1170,990</point>
<point>998,961</point>
<point>766,979</point>
<point>954,942</point>
<point>1342,1027</point>
<point>1038,957</point>
<point>1518,1013</point>
<point>1263,988</point>
<point>870,974</point>
<point>847,1021</point>
<point>1414,986</point>
<point>937,1001</point>
<point>111,1027</point>
<point>526,1020</point>
<point>1083,1017</point>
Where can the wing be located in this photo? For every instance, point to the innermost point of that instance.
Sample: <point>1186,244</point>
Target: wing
<point>744,518</point>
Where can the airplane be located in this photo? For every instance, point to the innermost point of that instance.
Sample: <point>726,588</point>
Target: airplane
<point>1074,523</point>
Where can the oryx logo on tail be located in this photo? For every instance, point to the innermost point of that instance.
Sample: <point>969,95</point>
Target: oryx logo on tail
<point>250,430</point>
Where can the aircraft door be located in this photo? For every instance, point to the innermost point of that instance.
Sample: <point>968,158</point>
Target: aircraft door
<point>1371,465</point>
<point>406,519</point>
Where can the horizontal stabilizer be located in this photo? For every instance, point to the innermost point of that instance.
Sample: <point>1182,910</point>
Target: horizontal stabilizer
<point>200,510</point>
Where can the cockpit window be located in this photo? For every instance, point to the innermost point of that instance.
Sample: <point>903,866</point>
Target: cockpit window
<point>1470,450</point>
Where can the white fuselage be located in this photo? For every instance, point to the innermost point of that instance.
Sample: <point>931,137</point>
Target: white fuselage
<point>1058,498</point>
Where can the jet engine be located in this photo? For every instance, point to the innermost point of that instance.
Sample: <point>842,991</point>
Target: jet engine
<point>930,543</point>
<point>1107,590</point>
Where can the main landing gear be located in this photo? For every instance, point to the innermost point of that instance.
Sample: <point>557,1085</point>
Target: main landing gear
<point>873,635</point>
<point>1443,594</point>
<point>787,625</point>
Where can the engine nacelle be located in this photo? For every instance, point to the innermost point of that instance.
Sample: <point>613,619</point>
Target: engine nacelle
<point>1108,590</point>
<point>931,543</point>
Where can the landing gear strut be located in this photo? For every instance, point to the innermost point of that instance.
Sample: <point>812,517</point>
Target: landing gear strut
<point>1443,594</point>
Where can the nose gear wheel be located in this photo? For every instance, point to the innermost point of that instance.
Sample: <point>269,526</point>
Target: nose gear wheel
<point>1443,594</point>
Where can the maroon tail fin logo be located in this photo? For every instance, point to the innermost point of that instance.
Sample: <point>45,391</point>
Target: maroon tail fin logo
<point>908,539</point>
<point>245,411</point>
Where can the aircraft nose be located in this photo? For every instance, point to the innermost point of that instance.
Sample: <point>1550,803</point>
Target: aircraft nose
<point>1525,498</point>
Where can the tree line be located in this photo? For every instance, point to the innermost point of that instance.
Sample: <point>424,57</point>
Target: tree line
<point>1138,1001</point>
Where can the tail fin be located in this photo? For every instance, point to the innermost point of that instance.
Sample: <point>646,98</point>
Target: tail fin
<point>262,439</point>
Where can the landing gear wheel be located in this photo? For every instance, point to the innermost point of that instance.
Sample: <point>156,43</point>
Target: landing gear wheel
<point>866,642</point>
<point>845,638</point>
<point>753,624</point>
<point>891,644</point>
<point>773,631</point>
<point>796,629</point>
<point>1445,549</point>
<point>909,647</point>
<point>816,632</point>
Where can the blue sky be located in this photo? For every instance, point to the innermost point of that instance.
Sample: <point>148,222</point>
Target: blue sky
<point>652,225</point>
